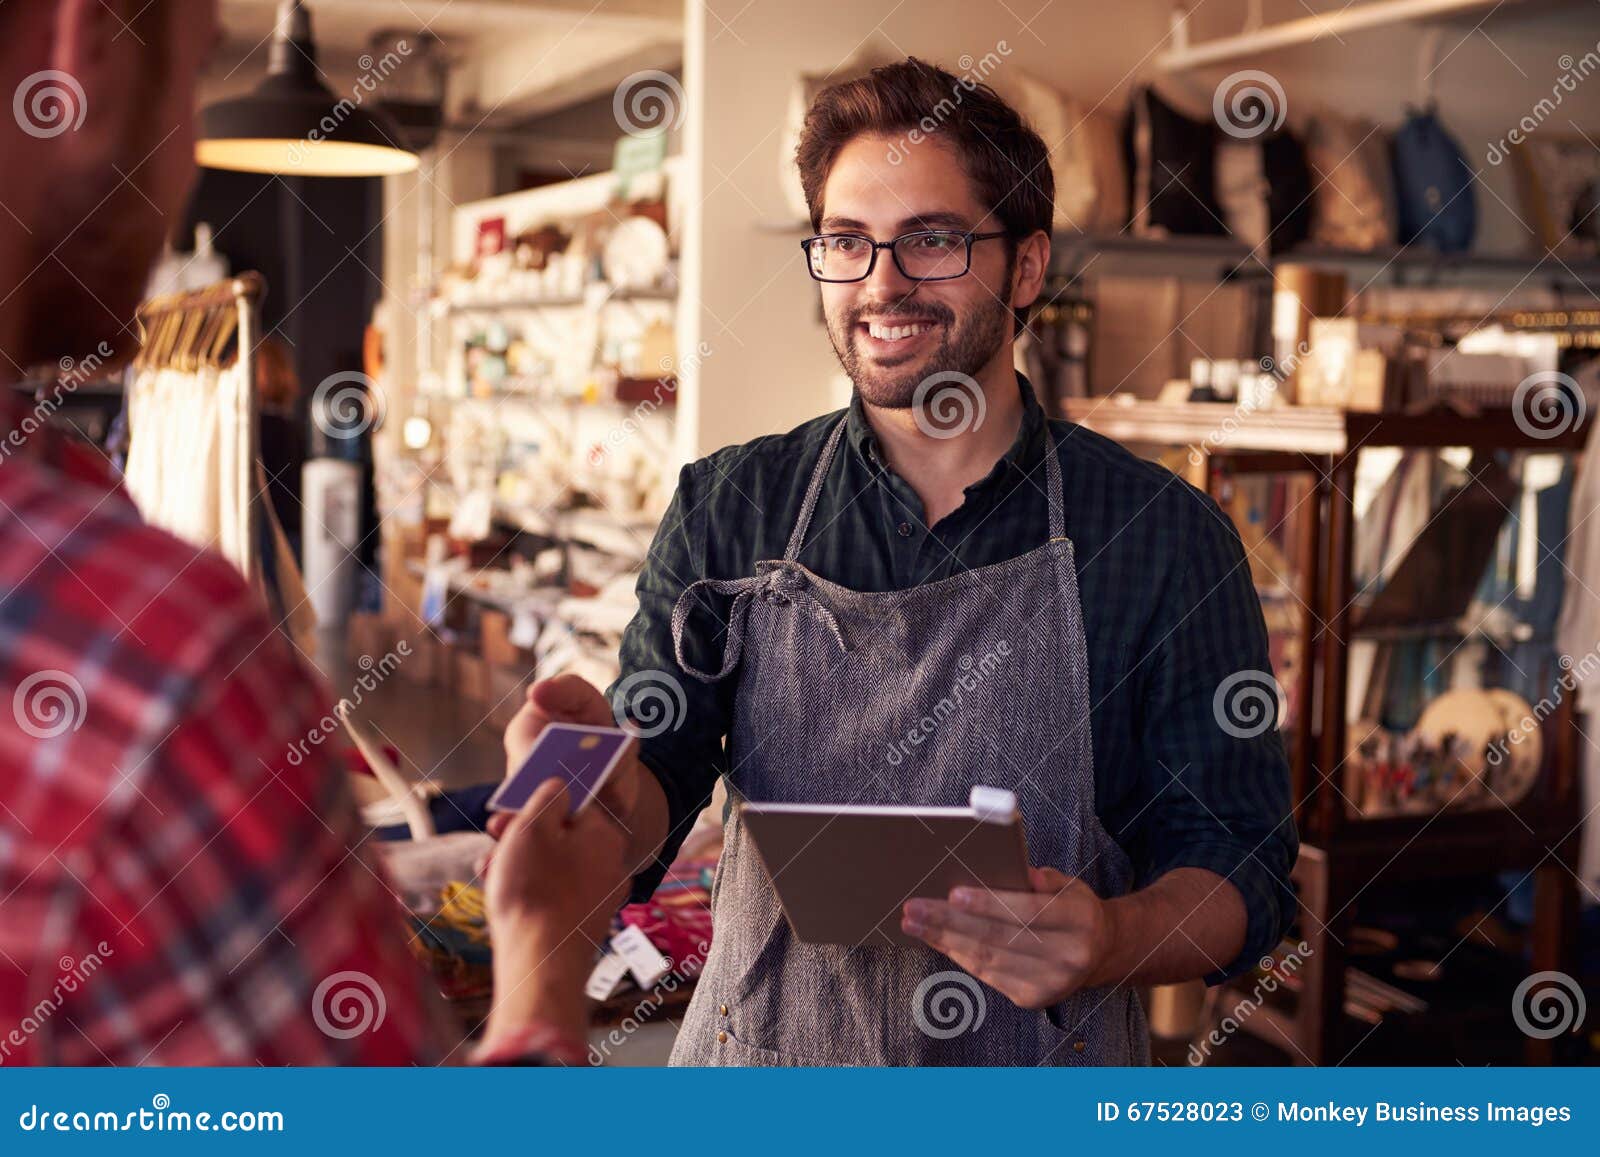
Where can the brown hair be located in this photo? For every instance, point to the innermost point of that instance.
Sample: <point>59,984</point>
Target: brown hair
<point>1006,161</point>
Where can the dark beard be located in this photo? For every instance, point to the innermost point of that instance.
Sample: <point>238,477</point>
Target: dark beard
<point>966,346</point>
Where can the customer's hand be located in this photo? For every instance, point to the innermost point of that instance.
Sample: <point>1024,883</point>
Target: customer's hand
<point>553,885</point>
<point>571,699</point>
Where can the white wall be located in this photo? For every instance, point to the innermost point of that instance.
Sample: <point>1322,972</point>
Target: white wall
<point>770,365</point>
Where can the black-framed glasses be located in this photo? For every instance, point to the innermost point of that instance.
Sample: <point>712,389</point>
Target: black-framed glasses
<point>926,255</point>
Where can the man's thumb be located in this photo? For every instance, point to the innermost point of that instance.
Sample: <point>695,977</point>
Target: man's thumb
<point>573,699</point>
<point>1048,880</point>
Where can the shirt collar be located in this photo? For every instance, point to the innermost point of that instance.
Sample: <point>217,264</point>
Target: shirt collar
<point>1023,455</point>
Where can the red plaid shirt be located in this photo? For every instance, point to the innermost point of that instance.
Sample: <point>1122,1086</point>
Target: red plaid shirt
<point>172,888</point>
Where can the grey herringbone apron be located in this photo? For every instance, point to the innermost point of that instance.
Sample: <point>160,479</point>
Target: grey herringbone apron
<point>906,697</point>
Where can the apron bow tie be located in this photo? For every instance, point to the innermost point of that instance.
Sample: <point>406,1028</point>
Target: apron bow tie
<point>779,583</point>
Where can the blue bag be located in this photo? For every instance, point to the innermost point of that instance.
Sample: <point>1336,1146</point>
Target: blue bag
<point>1438,206</point>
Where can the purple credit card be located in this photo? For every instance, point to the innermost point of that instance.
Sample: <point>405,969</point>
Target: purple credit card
<point>581,755</point>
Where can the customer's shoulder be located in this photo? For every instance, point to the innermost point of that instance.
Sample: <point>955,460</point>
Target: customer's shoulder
<point>117,636</point>
<point>85,576</point>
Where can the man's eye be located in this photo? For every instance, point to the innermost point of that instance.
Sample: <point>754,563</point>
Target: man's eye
<point>937,242</point>
<point>847,244</point>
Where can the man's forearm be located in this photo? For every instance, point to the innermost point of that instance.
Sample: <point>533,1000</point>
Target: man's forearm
<point>1186,924</point>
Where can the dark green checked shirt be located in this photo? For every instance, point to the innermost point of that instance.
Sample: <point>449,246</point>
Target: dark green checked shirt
<point>1168,608</point>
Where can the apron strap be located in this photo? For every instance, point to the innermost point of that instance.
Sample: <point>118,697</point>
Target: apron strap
<point>743,591</point>
<point>1052,471</point>
<point>775,582</point>
<point>819,475</point>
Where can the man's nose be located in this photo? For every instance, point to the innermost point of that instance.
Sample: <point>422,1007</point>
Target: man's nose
<point>886,282</point>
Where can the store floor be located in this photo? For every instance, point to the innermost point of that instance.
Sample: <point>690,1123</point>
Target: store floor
<point>439,737</point>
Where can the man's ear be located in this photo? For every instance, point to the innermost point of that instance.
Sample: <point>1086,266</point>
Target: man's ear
<point>1029,269</point>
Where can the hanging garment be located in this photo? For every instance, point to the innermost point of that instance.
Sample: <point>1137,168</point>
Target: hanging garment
<point>191,457</point>
<point>1353,206</point>
<point>824,674</point>
<point>1435,187</point>
<point>1172,159</point>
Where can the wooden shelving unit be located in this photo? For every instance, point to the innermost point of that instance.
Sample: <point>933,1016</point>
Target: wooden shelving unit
<point>1341,857</point>
<point>1408,265</point>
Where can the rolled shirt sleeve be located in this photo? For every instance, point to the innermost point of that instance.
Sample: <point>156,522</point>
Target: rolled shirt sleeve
<point>1215,770</point>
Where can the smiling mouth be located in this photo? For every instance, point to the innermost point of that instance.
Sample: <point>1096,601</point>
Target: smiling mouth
<point>896,331</point>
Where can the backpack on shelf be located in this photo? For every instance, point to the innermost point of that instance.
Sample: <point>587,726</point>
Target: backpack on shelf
<point>1433,186</point>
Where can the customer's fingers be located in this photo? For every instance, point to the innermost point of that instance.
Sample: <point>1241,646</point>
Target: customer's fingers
<point>543,814</point>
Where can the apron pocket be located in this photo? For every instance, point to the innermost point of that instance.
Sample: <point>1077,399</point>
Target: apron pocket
<point>1095,1026</point>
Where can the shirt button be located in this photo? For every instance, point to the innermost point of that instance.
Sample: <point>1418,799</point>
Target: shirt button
<point>1077,1046</point>
<point>722,1010</point>
<point>722,1038</point>
<point>905,529</point>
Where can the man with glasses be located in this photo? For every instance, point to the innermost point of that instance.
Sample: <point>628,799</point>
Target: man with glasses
<point>935,589</point>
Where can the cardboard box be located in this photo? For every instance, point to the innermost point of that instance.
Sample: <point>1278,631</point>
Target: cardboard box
<point>1148,329</point>
<point>1348,366</point>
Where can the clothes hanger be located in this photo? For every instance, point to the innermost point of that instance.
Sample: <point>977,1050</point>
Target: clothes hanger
<point>1428,64</point>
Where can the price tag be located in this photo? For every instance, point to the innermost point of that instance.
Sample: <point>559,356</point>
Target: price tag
<point>608,973</point>
<point>643,959</point>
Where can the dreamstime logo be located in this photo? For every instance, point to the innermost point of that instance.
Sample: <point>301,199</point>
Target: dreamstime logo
<point>648,102</point>
<point>74,974</point>
<point>1548,1004</point>
<point>74,372</point>
<point>1249,104</point>
<point>1246,702</point>
<point>948,1004</point>
<point>347,404</point>
<point>1547,404</point>
<point>948,404</point>
<point>1271,379</point>
<point>374,672</point>
<point>649,703</point>
<point>1573,73</point>
<point>348,1004</point>
<point>373,73</point>
<point>1272,974</point>
<point>973,673</point>
<point>49,103</point>
<point>666,389</point>
<point>1573,673</point>
<point>682,971</point>
<point>49,703</point>
<point>973,73</point>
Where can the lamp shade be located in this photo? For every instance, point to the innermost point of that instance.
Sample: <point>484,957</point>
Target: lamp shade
<point>293,124</point>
